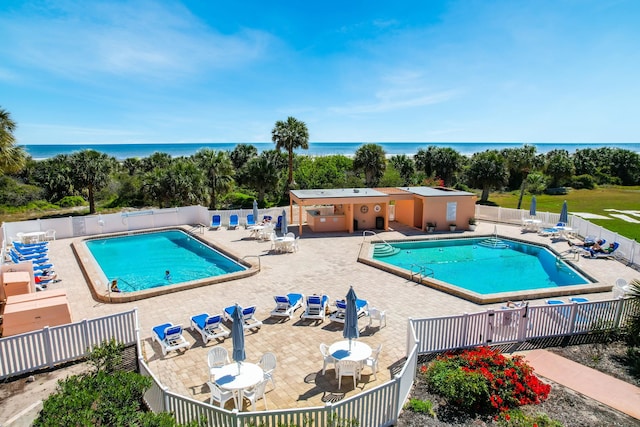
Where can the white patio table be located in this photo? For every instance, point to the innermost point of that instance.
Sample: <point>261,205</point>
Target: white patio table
<point>228,378</point>
<point>33,236</point>
<point>359,351</point>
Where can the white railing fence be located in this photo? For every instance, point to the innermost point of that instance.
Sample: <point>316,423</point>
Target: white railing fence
<point>628,252</point>
<point>90,225</point>
<point>51,346</point>
<point>520,325</point>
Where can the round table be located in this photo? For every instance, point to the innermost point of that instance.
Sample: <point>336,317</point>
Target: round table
<point>359,350</point>
<point>228,378</point>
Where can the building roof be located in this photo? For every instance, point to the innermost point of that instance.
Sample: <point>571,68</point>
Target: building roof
<point>329,193</point>
<point>435,191</point>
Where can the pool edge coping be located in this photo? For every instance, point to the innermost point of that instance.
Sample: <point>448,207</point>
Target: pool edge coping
<point>365,257</point>
<point>92,274</point>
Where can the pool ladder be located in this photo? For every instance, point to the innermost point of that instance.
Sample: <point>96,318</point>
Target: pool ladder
<point>385,244</point>
<point>421,272</point>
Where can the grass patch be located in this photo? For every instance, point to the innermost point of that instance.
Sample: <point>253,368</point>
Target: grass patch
<point>592,201</point>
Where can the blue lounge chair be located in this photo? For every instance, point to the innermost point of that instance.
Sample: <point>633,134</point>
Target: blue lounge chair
<point>609,253</point>
<point>170,338</point>
<point>233,221</point>
<point>248,316</point>
<point>316,307</point>
<point>339,314</point>
<point>287,305</point>
<point>250,220</point>
<point>267,218</point>
<point>210,327</point>
<point>215,222</point>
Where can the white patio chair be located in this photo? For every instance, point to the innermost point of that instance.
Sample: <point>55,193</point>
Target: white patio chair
<point>348,368</point>
<point>219,395</point>
<point>372,361</point>
<point>257,393</point>
<point>50,235</point>
<point>268,364</point>
<point>218,356</point>
<point>327,358</point>
<point>379,315</point>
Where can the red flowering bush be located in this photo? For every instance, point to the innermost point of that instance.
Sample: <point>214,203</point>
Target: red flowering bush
<point>484,380</point>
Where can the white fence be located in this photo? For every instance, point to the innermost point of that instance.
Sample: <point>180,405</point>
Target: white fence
<point>628,251</point>
<point>51,346</point>
<point>519,325</point>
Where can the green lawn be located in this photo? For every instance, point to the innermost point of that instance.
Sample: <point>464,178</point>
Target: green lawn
<point>592,201</point>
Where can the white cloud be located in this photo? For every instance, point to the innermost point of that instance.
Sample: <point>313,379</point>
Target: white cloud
<point>390,100</point>
<point>163,43</point>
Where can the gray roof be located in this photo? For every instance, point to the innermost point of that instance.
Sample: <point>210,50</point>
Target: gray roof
<point>337,192</point>
<point>435,191</point>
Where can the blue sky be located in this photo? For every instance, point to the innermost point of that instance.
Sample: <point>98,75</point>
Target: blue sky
<point>91,72</point>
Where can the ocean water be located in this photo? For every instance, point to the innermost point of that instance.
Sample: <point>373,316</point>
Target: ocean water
<point>124,151</point>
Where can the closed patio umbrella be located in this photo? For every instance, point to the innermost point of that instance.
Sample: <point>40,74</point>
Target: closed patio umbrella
<point>237,336</point>
<point>255,210</point>
<point>284,227</point>
<point>532,208</point>
<point>564,214</point>
<point>350,330</point>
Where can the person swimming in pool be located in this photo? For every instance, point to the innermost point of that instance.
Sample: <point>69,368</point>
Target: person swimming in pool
<point>167,275</point>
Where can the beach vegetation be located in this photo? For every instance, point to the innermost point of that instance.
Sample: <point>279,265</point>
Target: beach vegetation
<point>520,163</point>
<point>104,395</point>
<point>90,171</point>
<point>218,173</point>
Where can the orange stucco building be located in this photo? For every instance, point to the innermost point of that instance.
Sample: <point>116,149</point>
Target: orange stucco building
<point>352,209</point>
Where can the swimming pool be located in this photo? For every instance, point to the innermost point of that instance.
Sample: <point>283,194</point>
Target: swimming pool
<point>139,263</point>
<point>485,269</point>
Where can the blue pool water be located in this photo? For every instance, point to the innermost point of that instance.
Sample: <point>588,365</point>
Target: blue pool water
<point>468,264</point>
<point>139,261</point>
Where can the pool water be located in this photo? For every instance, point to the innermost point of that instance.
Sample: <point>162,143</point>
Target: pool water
<point>467,263</point>
<point>139,261</point>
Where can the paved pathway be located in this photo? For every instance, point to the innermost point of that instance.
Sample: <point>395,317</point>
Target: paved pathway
<point>606,389</point>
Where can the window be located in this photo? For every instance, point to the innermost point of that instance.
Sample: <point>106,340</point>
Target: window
<point>451,211</point>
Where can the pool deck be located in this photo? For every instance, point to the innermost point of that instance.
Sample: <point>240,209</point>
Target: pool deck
<point>325,264</point>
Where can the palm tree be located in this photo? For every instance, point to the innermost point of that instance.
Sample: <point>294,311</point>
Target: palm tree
<point>12,157</point>
<point>521,162</point>
<point>371,159</point>
<point>218,170</point>
<point>487,170</point>
<point>91,170</point>
<point>290,135</point>
<point>263,175</point>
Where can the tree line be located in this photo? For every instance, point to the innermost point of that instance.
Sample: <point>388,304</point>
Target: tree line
<point>222,179</point>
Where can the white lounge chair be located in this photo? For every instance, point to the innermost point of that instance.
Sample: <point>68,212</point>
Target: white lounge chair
<point>170,338</point>
<point>287,305</point>
<point>248,315</point>
<point>339,314</point>
<point>316,307</point>
<point>210,327</point>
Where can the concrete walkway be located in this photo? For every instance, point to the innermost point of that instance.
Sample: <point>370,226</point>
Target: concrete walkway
<point>606,389</point>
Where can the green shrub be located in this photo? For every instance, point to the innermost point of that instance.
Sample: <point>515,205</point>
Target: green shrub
<point>483,380</point>
<point>516,418</point>
<point>421,406</point>
<point>466,390</point>
<point>583,181</point>
<point>71,201</point>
